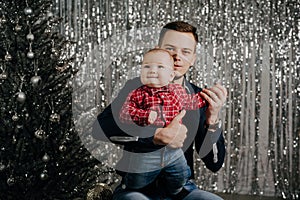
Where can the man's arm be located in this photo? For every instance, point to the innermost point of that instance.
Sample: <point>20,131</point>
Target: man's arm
<point>215,96</point>
<point>206,139</point>
<point>108,124</point>
<point>209,160</point>
<point>211,135</point>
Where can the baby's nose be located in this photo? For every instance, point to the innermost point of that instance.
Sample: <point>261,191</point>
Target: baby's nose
<point>153,70</point>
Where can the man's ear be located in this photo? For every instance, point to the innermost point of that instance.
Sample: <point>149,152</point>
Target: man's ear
<point>193,59</point>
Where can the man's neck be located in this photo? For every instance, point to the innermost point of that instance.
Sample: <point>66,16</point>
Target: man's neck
<point>179,80</point>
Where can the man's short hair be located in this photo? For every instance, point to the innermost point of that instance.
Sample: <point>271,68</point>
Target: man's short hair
<point>180,26</point>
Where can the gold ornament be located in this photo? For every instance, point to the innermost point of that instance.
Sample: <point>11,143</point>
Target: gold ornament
<point>40,134</point>
<point>54,117</point>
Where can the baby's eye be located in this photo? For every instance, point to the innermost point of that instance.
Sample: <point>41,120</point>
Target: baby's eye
<point>146,66</point>
<point>161,67</point>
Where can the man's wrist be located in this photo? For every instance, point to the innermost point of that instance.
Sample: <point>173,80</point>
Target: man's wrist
<point>215,126</point>
<point>213,119</point>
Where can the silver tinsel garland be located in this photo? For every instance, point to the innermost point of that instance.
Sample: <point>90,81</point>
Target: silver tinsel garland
<point>251,46</point>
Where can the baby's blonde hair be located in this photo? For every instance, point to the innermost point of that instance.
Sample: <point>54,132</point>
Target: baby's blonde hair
<point>155,50</point>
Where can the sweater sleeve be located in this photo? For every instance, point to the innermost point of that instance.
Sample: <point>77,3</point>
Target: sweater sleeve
<point>210,146</point>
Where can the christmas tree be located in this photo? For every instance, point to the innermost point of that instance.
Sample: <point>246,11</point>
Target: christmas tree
<point>41,155</point>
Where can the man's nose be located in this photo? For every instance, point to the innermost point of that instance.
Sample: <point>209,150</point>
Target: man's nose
<point>176,56</point>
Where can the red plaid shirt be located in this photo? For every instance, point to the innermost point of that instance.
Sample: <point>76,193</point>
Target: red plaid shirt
<point>167,101</point>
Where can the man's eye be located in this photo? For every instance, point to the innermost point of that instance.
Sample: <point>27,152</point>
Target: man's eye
<point>170,49</point>
<point>186,52</point>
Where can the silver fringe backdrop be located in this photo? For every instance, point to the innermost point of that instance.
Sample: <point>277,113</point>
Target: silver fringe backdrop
<point>252,46</point>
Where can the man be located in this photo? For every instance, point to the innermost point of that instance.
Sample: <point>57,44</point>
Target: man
<point>201,128</point>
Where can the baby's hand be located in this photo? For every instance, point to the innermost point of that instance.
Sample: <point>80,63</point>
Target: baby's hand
<point>152,117</point>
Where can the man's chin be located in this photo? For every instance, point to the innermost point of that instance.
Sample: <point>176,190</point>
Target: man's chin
<point>178,75</point>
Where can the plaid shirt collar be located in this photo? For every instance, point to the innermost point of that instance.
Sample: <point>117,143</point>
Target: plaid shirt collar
<point>152,90</point>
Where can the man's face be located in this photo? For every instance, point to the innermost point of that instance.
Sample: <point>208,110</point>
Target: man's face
<point>181,46</point>
<point>157,69</point>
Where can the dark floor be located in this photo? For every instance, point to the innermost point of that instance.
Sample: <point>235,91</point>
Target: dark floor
<point>245,197</point>
<point>235,196</point>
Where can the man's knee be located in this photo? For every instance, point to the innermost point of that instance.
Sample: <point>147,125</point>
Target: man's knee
<point>130,196</point>
<point>202,195</point>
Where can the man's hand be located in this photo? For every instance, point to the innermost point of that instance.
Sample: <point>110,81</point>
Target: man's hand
<point>173,135</point>
<point>215,97</point>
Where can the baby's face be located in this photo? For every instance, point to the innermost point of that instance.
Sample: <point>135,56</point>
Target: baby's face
<point>157,69</point>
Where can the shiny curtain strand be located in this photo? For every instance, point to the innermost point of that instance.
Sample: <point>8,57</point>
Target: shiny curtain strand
<point>251,46</point>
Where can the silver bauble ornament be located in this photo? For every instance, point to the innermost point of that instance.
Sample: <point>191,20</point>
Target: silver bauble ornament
<point>18,27</point>
<point>30,36</point>
<point>8,57</point>
<point>30,55</point>
<point>35,81</point>
<point>44,175</point>
<point>62,148</point>
<point>15,117</point>
<point>3,76</point>
<point>46,158</point>
<point>21,97</point>
<point>28,11</point>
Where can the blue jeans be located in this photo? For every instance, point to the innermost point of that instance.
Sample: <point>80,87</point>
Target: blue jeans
<point>172,177</point>
<point>154,192</point>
